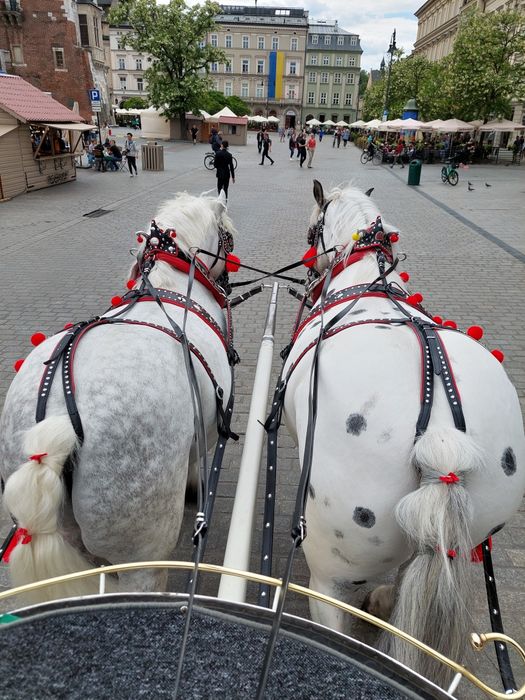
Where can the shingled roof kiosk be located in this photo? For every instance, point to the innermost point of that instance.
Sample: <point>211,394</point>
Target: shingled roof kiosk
<point>39,138</point>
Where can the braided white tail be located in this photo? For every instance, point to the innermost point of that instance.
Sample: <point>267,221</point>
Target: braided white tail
<point>432,601</point>
<point>34,495</point>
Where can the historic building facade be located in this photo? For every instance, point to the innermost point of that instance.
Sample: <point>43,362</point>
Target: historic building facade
<point>333,63</point>
<point>127,69</point>
<point>265,49</point>
<point>57,46</point>
<point>438,22</point>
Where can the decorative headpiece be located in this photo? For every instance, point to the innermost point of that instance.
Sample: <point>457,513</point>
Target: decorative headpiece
<point>374,236</point>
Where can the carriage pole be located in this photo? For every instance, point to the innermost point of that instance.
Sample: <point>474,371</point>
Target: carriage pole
<point>238,547</point>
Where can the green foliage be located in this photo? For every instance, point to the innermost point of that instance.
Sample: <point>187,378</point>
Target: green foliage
<point>487,65</point>
<point>214,101</point>
<point>135,103</point>
<point>172,34</point>
<point>363,81</point>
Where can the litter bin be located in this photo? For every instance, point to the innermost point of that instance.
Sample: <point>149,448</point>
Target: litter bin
<point>152,157</point>
<point>414,171</point>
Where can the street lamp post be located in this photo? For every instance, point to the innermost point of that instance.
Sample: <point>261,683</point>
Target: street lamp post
<point>391,50</point>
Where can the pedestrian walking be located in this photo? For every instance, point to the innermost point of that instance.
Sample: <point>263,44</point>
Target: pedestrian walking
<point>310,147</point>
<point>224,166</point>
<point>292,143</point>
<point>260,139</point>
<point>321,134</point>
<point>301,148</point>
<point>345,137</point>
<point>131,152</point>
<point>398,153</point>
<point>266,149</point>
<point>194,131</point>
<point>281,134</point>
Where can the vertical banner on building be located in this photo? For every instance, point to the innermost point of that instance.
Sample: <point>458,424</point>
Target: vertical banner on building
<point>275,75</point>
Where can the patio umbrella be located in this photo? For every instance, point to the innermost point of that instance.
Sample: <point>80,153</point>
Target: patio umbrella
<point>501,125</point>
<point>453,126</point>
<point>258,119</point>
<point>433,124</point>
<point>359,124</point>
<point>373,124</point>
<point>313,122</point>
<point>341,123</point>
<point>329,122</point>
<point>274,119</point>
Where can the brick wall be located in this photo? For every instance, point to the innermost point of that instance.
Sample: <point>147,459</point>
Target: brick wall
<point>49,24</point>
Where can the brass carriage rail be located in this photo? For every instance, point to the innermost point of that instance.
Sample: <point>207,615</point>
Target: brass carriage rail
<point>478,641</point>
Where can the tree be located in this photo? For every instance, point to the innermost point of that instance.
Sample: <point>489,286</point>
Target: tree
<point>487,67</point>
<point>135,103</point>
<point>215,101</point>
<point>174,36</point>
<point>363,81</point>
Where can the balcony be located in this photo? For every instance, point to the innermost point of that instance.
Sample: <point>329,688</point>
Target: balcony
<point>11,13</point>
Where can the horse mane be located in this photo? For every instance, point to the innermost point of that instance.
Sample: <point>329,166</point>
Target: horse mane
<point>354,211</point>
<point>193,218</point>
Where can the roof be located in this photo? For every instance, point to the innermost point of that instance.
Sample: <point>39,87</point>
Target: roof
<point>27,103</point>
<point>232,120</point>
<point>326,28</point>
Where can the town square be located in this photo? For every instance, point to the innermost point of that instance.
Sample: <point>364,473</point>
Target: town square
<point>122,201</point>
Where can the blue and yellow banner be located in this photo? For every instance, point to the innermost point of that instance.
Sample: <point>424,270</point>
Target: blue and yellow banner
<point>275,75</point>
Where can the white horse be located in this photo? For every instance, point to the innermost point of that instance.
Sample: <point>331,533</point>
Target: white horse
<point>132,392</point>
<point>376,499</point>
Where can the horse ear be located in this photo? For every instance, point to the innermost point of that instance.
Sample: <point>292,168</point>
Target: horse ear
<point>220,205</point>
<point>369,192</point>
<point>319,194</point>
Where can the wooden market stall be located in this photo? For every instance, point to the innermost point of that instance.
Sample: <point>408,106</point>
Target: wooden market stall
<point>39,139</point>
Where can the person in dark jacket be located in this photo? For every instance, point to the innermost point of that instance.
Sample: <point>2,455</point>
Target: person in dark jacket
<point>301,147</point>
<point>266,149</point>
<point>216,140</point>
<point>224,168</point>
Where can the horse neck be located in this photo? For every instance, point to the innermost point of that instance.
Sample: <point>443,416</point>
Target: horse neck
<point>164,276</point>
<point>361,272</point>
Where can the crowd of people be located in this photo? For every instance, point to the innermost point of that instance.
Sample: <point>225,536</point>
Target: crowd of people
<point>107,155</point>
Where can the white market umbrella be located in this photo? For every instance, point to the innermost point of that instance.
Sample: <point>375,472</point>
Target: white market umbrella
<point>313,122</point>
<point>501,125</point>
<point>476,123</point>
<point>373,124</point>
<point>274,119</point>
<point>329,122</point>
<point>224,112</point>
<point>453,126</point>
<point>412,125</point>
<point>359,124</point>
<point>342,123</point>
<point>258,119</point>
<point>433,124</point>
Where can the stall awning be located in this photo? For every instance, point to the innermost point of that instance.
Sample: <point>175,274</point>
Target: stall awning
<point>71,126</point>
<point>6,128</point>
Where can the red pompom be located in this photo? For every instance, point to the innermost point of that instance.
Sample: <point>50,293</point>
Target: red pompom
<point>450,324</point>
<point>404,276</point>
<point>498,355</point>
<point>394,237</point>
<point>130,284</point>
<point>475,332</point>
<point>68,325</point>
<point>116,301</point>
<point>232,263</point>
<point>310,257</point>
<point>437,320</point>
<point>418,297</point>
<point>410,300</point>
<point>17,365</point>
<point>37,338</point>
<point>139,239</point>
<point>173,234</point>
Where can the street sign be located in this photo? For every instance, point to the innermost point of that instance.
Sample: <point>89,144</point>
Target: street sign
<point>96,108</point>
<point>94,95</point>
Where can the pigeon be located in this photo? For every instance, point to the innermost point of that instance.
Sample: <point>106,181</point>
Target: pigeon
<point>487,185</point>
<point>470,188</point>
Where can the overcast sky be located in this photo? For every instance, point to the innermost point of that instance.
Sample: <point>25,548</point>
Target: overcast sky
<point>373,20</point>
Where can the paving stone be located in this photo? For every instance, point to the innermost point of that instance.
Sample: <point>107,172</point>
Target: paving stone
<point>59,266</point>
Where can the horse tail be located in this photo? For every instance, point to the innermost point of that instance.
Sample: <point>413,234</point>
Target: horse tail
<point>34,495</point>
<point>432,601</point>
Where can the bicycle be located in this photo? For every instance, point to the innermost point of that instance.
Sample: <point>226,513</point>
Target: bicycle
<point>449,173</point>
<point>376,157</point>
<point>209,161</point>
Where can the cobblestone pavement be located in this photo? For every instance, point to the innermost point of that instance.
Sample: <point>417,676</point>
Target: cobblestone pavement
<point>466,253</point>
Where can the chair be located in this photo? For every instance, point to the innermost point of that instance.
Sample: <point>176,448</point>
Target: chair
<point>123,164</point>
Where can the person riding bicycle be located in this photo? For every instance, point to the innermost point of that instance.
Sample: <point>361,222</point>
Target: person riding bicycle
<point>370,145</point>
